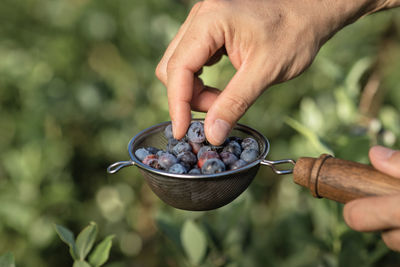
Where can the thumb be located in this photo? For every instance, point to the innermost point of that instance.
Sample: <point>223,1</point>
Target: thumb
<point>240,93</point>
<point>385,160</point>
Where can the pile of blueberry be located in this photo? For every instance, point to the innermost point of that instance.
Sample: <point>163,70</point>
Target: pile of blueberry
<point>194,155</point>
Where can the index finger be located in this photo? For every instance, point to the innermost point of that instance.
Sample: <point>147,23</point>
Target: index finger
<point>199,43</point>
<point>373,213</point>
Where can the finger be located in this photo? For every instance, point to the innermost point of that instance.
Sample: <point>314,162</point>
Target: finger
<point>198,44</point>
<point>161,70</point>
<point>373,213</point>
<point>203,96</point>
<point>243,89</point>
<point>392,239</point>
<point>385,160</point>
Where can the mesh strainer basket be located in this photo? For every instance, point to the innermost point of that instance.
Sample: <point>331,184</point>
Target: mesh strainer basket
<point>197,192</point>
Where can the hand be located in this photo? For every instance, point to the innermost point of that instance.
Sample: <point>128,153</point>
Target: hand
<point>378,213</point>
<point>266,41</point>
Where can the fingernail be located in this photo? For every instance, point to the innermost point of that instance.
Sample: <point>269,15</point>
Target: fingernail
<point>383,153</point>
<point>220,130</point>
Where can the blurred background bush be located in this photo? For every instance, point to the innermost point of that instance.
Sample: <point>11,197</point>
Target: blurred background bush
<point>77,82</point>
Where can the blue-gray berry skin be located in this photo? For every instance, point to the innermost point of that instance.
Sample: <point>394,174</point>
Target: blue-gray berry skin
<point>141,153</point>
<point>171,144</point>
<point>212,166</point>
<point>218,149</point>
<point>238,164</point>
<point>160,152</point>
<point>249,155</point>
<point>152,150</point>
<point>233,147</point>
<point>180,147</point>
<point>195,133</point>
<point>187,158</point>
<point>228,158</point>
<point>250,143</point>
<point>168,132</point>
<point>202,150</point>
<point>166,160</point>
<point>195,171</point>
<point>177,169</point>
<point>233,138</point>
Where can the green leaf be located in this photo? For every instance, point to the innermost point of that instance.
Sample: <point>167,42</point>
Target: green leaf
<point>7,260</point>
<point>68,237</point>
<point>85,240</point>
<point>170,228</point>
<point>101,252</point>
<point>354,76</point>
<point>194,241</point>
<point>314,139</point>
<point>81,264</point>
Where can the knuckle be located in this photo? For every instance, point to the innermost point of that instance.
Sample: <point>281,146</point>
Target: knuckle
<point>160,72</point>
<point>172,64</point>
<point>237,105</point>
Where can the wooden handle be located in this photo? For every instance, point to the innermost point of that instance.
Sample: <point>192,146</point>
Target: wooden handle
<point>342,180</point>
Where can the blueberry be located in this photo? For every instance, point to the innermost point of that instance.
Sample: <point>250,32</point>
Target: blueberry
<point>160,152</point>
<point>217,148</point>
<point>250,143</point>
<point>195,171</point>
<point>187,158</point>
<point>206,156</point>
<point>228,158</point>
<point>166,160</point>
<point>141,153</point>
<point>249,155</point>
<point>234,138</point>
<point>168,132</point>
<point>202,150</point>
<point>195,132</point>
<point>180,147</point>
<point>171,143</point>
<point>234,148</point>
<point>148,158</point>
<point>195,147</point>
<point>154,163</point>
<point>177,168</point>
<point>212,166</point>
<point>238,164</point>
<point>152,150</point>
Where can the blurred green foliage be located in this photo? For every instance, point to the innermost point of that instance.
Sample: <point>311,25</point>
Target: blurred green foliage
<point>77,82</point>
<point>80,247</point>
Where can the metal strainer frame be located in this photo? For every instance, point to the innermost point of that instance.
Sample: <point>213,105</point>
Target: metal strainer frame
<point>197,192</point>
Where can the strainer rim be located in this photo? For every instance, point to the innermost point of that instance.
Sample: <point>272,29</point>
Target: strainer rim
<point>247,167</point>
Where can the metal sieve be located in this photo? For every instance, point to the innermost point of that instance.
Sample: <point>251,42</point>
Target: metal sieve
<point>197,192</point>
